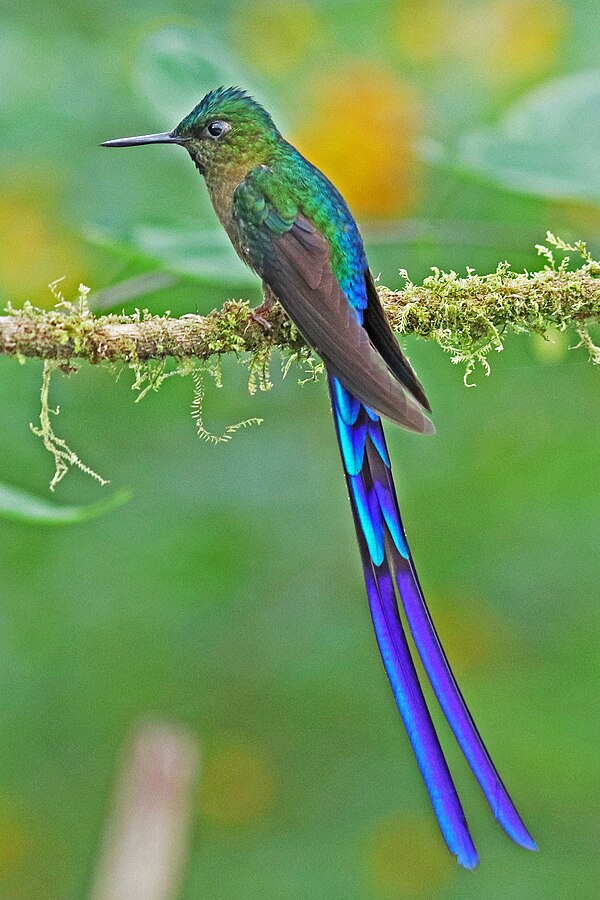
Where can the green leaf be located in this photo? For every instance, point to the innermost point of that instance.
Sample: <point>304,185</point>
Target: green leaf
<point>22,506</point>
<point>203,254</point>
<point>177,65</point>
<point>547,144</point>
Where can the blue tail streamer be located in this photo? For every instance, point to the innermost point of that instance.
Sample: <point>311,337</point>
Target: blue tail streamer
<point>389,570</point>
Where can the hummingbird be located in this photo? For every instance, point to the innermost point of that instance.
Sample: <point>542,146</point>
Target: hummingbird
<point>293,228</point>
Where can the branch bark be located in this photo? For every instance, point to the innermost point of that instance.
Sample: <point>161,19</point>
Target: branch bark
<point>467,316</point>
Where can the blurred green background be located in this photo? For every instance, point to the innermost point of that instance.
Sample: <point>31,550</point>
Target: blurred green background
<point>227,593</point>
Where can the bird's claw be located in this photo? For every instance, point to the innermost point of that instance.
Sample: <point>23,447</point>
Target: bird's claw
<point>256,315</point>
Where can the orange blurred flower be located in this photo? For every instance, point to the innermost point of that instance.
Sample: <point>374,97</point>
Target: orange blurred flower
<point>361,132</point>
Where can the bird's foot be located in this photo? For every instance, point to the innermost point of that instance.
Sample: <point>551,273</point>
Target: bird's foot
<point>257,315</point>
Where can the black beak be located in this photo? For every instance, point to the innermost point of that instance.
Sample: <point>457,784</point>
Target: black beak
<point>165,137</point>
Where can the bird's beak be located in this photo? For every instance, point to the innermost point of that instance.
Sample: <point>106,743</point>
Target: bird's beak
<point>165,137</point>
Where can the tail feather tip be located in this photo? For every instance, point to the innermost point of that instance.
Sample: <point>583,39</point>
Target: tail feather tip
<point>468,858</point>
<point>513,825</point>
<point>526,842</point>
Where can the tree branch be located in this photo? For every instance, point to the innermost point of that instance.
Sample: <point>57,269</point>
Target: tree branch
<point>466,316</point>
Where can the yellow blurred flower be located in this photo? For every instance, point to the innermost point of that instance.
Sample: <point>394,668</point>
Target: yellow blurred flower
<point>15,843</point>
<point>406,858</point>
<point>274,37</point>
<point>503,40</point>
<point>34,249</point>
<point>580,217</point>
<point>237,783</point>
<point>361,132</point>
<point>425,29</point>
<point>513,39</point>
<point>474,636</point>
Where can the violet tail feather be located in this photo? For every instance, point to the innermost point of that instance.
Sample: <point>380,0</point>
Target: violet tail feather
<point>388,568</point>
<point>401,672</point>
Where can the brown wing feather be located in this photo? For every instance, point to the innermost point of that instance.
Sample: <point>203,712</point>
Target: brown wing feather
<point>384,340</point>
<point>297,267</point>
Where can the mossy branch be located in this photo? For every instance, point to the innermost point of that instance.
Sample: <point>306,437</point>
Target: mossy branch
<point>466,316</point>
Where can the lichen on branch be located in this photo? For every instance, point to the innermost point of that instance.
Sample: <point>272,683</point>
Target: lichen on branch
<point>467,316</point>
<point>64,457</point>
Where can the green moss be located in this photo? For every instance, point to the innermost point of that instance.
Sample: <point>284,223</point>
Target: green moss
<point>64,457</point>
<point>467,316</point>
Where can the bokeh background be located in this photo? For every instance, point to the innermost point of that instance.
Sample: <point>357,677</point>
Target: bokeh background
<point>226,594</point>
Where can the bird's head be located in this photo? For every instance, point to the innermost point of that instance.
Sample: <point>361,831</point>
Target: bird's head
<point>226,130</point>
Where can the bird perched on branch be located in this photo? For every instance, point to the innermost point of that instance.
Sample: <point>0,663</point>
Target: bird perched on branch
<point>293,228</point>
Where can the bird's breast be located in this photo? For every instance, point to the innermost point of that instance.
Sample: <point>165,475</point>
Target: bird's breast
<point>221,188</point>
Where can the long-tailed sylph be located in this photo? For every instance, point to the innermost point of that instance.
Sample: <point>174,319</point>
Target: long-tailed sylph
<point>293,228</point>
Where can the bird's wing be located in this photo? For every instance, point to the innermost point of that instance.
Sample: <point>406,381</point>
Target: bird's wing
<point>384,340</point>
<point>294,260</point>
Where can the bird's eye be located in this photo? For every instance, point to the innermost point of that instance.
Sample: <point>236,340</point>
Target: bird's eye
<point>217,129</point>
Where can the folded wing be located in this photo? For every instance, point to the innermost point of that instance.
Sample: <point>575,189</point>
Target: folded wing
<point>294,260</point>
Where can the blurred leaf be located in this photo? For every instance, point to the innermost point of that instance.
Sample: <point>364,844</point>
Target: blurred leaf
<point>177,65</point>
<point>547,144</point>
<point>204,254</point>
<point>131,289</point>
<point>24,507</point>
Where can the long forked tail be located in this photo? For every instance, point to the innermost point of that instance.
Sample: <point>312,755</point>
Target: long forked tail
<point>389,570</point>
